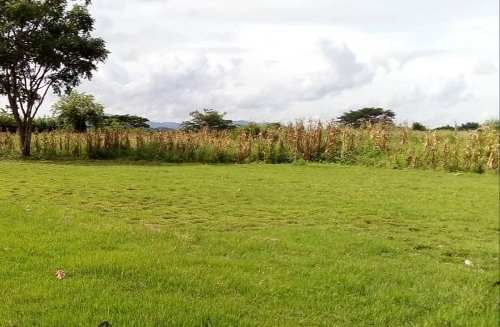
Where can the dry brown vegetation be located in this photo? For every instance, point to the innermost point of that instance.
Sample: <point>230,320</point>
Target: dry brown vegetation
<point>373,145</point>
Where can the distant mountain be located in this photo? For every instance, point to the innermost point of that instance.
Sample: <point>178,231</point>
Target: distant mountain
<point>242,122</point>
<point>174,125</point>
<point>164,125</point>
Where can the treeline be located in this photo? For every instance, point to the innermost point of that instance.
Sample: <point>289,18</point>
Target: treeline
<point>215,120</point>
<point>469,126</point>
<point>49,124</point>
<point>77,112</point>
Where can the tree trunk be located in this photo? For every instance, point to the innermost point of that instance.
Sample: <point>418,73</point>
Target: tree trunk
<point>25,131</point>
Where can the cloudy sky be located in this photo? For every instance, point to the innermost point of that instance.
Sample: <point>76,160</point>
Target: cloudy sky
<point>434,61</point>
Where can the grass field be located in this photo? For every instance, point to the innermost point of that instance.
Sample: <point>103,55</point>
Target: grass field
<point>248,245</point>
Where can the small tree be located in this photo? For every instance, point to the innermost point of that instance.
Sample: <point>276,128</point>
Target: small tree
<point>44,45</point>
<point>367,115</point>
<point>209,118</point>
<point>78,111</point>
<point>418,127</point>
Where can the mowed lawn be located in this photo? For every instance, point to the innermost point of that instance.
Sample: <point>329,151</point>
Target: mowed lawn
<point>246,245</point>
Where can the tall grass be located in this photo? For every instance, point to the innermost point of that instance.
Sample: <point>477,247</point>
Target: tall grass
<point>373,145</point>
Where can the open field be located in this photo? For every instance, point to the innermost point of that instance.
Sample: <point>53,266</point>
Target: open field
<point>249,245</point>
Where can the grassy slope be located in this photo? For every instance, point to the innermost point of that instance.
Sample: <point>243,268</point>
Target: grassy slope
<point>249,245</point>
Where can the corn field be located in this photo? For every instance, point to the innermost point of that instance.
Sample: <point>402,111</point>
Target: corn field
<point>372,145</point>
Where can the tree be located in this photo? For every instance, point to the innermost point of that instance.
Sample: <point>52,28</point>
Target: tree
<point>44,45</point>
<point>45,124</point>
<point>418,127</point>
<point>367,115</point>
<point>78,111</point>
<point>445,128</point>
<point>126,121</point>
<point>470,126</point>
<point>209,118</point>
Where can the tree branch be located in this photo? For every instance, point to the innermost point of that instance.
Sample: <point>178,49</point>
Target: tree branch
<point>40,101</point>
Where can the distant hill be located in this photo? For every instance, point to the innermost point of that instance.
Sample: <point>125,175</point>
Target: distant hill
<point>242,122</point>
<point>164,125</point>
<point>173,125</point>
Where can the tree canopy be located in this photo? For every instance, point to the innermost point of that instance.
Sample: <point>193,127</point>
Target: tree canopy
<point>470,126</point>
<point>367,115</point>
<point>416,126</point>
<point>78,111</point>
<point>208,118</point>
<point>464,127</point>
<point>44,45</point>
<point>125,121</point>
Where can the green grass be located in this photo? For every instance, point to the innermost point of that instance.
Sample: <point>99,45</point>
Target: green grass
<point>248,245</point>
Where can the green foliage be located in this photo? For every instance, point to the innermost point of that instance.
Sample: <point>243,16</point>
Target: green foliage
<point>300,162</point>
<point>445,128</point>
<point>7,122</point>
<point>255,129</point>
<point>45,124</point>
<point>367,115</point>
<point>209,118</point>
<point>246,245</point>
<point>50,35</point>
<point>272,126</point>
<point>44,45</point>
<point>125,121</point>
<point>251,129</point>
<point>79,111</point>
<point>416,126</point>
<point>470,126</point>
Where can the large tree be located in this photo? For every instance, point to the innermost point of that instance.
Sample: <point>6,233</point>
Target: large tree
<point>126,121</point>
<point>44,45</point>
<point>208,118</point>
<point>372,115</point>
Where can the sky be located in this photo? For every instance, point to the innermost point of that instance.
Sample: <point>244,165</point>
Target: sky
<point>432,61</point>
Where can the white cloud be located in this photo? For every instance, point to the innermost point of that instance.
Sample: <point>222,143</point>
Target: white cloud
<point>177,84</point>
<point>431,61</point>
<point>342,72</point>
<point>485,68</point>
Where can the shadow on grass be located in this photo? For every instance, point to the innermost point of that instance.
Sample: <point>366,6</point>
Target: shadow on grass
<point>125,162</point>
